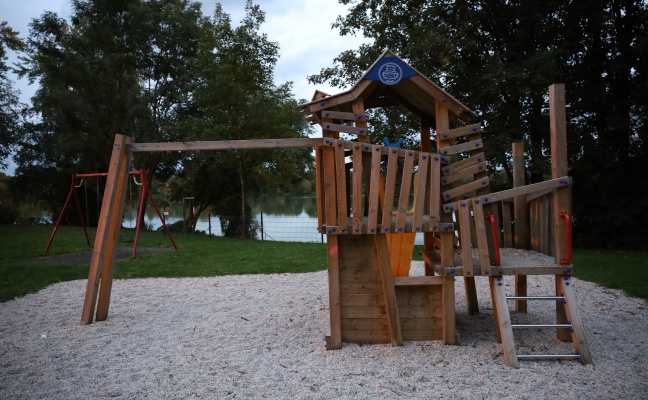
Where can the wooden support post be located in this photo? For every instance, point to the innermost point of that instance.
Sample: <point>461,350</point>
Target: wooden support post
<point>521,215</point>
<point>466,256</point>
<point>391,307</point>
<point>107,230</point>
<point>503,320</point>
<point>333,252</point>
<point>562,196</point>
<point>430,190</point>
<point>578,329</point>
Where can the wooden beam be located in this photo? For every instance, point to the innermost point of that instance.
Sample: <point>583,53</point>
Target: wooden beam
<point>459,132</point>
<point>406,185</point>
<point>103,303</point>
<point>462,148</point>
<point>562,197</point>
<point>333,256</point>
<point>357,189</point>
<point>520,208</point>
<point>578,328</point>
<point>390,187</point>
<point>224,145</point>
<point>391,307</point>
<point>524,190</point>
<point>345,116</point>
<point>105,229</point>
<point>504,322</point>
<point>374,191</point>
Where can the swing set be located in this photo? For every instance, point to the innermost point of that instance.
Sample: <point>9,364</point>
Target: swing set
<point>78,180</point>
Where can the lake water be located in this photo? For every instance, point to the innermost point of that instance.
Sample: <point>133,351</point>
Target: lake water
<point>288,219</point>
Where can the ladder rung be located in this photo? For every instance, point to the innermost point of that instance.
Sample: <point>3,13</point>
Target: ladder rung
<point>535,298</point>
<point>548,356</point>
<point>543,326</point>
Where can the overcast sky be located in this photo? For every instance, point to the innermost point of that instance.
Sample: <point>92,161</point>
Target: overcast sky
<point>301,27</point>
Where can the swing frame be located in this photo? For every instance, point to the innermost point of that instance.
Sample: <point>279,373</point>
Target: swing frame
<point>145,192</point>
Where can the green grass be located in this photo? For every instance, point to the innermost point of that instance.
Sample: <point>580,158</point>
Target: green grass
<point>21,273</point>
<point>626,270</point>
<point>21,245</point>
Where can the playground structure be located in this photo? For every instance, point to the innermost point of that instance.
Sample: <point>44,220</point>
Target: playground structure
<point>145,192</point>
<point>370,197</point>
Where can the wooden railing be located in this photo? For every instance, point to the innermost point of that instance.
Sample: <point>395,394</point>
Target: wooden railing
<point>354,198</point>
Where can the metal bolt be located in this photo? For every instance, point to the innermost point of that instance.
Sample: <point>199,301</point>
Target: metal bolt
<point>463,204</point>
<point>366,147</point>
<point>343,229</point>
<point>425,157</point>
<point>445,151</point>
<point>566,283</point>
<point>484,182</point>
<point>386,229</point>
<point>434,226</point>
<point>377,148</point>
<point>357,229</point>
<point>499,283</point>
<point>445,135</point>
<point>447,195</point>
<point>480,167</point>
<point>410,153</point>
<point>478,158</point>
<point>339,144</point>
<point>400,228</point>
<point>361,130</point>
<point>486,272</point>
<point>327,126</point>
<point>501,271</point>
<point>443,99</point>
<point>474,128</point>
<point>372,229</point>
<point>394,151</point>
<point>326,114</point>
<point>499,278</point>
<point>359,116</point>
<point>445,180</point>
<point>356,147</point>
<point>321,103</point>
<point>485,198</point>
<point>477,201</point>
<point>447,170</point>
<point>476,144</point>
<point>418,228</point>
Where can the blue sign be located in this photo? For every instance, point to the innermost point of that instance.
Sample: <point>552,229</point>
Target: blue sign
<point>390,71</point>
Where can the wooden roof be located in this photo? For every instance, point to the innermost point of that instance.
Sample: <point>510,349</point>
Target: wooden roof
<point>391,81</point>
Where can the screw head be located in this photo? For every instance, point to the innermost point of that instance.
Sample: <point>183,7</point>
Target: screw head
<point>445,135</point>
<point>477,144</point>
<point>356,147</point>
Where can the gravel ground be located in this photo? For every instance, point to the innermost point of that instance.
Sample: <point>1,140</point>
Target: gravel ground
<point>261,336</point>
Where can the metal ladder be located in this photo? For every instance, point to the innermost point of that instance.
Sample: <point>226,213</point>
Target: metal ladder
<point>567,318</point>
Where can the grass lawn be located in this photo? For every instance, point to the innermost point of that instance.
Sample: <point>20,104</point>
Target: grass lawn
<point>22,273</point>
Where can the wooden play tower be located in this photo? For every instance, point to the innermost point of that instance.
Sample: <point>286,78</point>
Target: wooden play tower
<point>373,199</point>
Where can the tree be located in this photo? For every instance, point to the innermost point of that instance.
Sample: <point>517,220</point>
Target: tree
<point>499,57</point>
<point>9,104</point>
<point>116,67</point>
<point>234,98</point>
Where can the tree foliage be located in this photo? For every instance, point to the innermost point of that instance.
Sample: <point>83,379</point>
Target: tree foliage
<point>234,98</point>
<point>499,58</point>
<point>9,105</point>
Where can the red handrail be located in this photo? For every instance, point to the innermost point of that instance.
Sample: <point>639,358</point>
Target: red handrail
<point>567,260</point>
<point>495,240</point>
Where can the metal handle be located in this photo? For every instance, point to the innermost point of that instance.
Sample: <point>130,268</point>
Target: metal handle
<point>567,260</point>
<point>495,240</point>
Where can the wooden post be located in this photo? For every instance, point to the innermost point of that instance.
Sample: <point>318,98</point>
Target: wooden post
<point>103,253</point>
<point>333,251</point>
<point>521,215</point>
<point>447,242</point>
<point>391,307</point>
<point>562,196</point>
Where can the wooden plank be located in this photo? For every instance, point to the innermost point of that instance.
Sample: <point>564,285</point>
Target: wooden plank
<point>419,299</point>
<point>434,290</point>
<point>357,189</point>
<point>421,312</point>
<point>435,187</point>
<point>389,292</point>
<point>319,184</point>
<point>463,189</point>
<point>507,225</point>
<point>520,208</point>
<point>365,324</point>
<point>406,185</point>
<point>463,213</point>
<point>361,288</point>
<point>463,164</point>
<point>535,270</point>
<point>561,312</point>
<point>363,312</point>
<point>463,147</point>
<point>448,313</point>
<point>504,322</point>
<point>420,189</point>
<point>346,116</point>
<point>374,188</point>
<point>390,186</point>
<point>521,291</point>
<point>224,145</point>
<point>360,275</point>
<point>482,239</point>
<point>369,337</point>
<point>524,190</point>
<point>418,280</point>
<point>459,175</point>
<point>558,141</point>
<point>362,300</point>
<point>471,295</point>
<point>529,198</point>
<point>334,291</point>
<point>104,229</point>
<point>571,308</point>
<point>459,132</point>
<point>345,128</point>
<point>103,302</point>
<point>341,188</point>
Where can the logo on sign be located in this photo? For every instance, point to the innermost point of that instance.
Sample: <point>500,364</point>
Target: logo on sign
<point>390,73</point>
